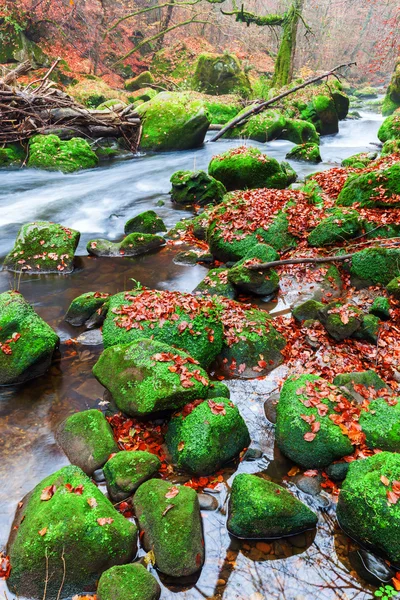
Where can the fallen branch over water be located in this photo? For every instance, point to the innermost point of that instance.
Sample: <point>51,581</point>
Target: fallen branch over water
<point>299,261</point>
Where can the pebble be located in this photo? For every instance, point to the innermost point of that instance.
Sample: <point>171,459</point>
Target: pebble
<point>207,502</point>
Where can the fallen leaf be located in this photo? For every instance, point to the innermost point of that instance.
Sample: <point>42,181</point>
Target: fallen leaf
<point>48,492</point>
<point>43,531</point>
<point>174,491</point>
<point>105,521</point>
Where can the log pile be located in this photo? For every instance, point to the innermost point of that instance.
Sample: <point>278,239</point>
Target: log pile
<point>42,108</point>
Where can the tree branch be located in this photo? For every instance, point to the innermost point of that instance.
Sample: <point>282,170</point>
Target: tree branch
<point>298,261</point>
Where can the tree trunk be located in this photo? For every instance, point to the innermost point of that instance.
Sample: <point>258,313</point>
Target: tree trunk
<point>284,64</point>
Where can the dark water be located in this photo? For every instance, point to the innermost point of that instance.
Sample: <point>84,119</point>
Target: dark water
<point>97,203</point>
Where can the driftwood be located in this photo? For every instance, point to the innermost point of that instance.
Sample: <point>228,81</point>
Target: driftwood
<point>298,261</point>
<point>255,110</point>
<point>40,107</point>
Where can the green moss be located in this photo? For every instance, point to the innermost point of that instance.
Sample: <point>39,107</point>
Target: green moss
<point>329,443</point>
<point>390,147</point>
<point>67,525</point>
<point>50,153</point>
<point>196,187</point>
<point>43,247</point>
<point>84,306</point>
<point>264,127</point>
<point>218,389</point>
<point>220,113</point>
<point>93,91</point>
<point>301,132</point>
<point>216,283</point>
<point>360,160</point>
<point>128,582</point>
<point>368,379</point>
<point>363,509</point>
<point>307,310</point>
<point>133,244</point>
<point>393,287</point>
<point>376,265</point>
<point>111,104</point>
<point>390,128</point>
<point>219,74</point>
<point>261,283</point>
<point>171,525</point>
<point>338,327</point>
<point>145,222</point>
<point>342,104</point>
<point>141,384</point>
<point>31,353</point>
<point>126,471</point>
<point>262,509</point>
<point>381,308</point>
<point>12,154</point>
<point>141,81</point>
<point>338,226</point>
<point>321,111</point>
<point>378,189</point>
<point>381,425</point>
<point>305,153</point>
<point>389,107</point>
<point>392,98</point>
<point>369,330</point>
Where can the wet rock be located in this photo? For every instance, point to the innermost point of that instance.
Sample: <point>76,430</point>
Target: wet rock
<point>146,377</point>
<point>262,509</point>
<point>270,408</point>
<point>50,153</point>
<point>126,471</point>
<point>375,265</point>
<point>308,485</point>
<point>381,424</point>
<point>186,258</point>
<point>390,129</point>
<point>84,306</point>
<point>196,187</point>
<point>321,111</point>
<point>146,222</point>
<point>212,434</point>
<point>306,153</point>
<point>216,283</point>
<point>393,288</point>
<point>261,283</point>
<point>360,160</point>
<point>371,568</point>
<point>295,436</point>
<point>307,310</point>
<point>66,516</point>
<point>169,516</point>
<point>90,338</point>
<point>133,244</point>
<point>338,226</point>
<point>337,471</point>
<point>381,308</point>
<point>253,454</point>
<point>43,247</point>
<point>340,320</point>
<point>207,502</point>
<point>87,439</point>
<point>217,389</point>
<point>27,342</point>
<point>128,582</point>
<point>348,382</point>
<point>364,510</point>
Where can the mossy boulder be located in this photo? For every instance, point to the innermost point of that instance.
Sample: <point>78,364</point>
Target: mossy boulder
<point>13,154</point>
<point>141,96</point>
<point>220,113</point>
<point>369,330</point>
<point>93,91</point>
<point>219,74</point>
<point>173,121</point>
<point>138,82</point>
<point>392,98</point>
<point>217,389</point>
<point>381,424</point>
<point>264,127</point>
<point>321,111</point>
<point>381,308</point>
<point>378,189</point>
<point>375,265</point>
<point>338,226</point>
<point>66,520</point>
<point>363,510</point>
<point>16,47</point>
<point>391,147</point>
<point>341,320</point>
<point>185,322</point>
<point>260,283</point>
<point>169,517</point>
<point>145,222</point>
<point>390,128</point>
<point>87,439</point>
<point>196,187</point>
<point>262,509</point>
<point>393,288</point>
<point>212,434</point>
<point>133,244</point>
<point>43,247</point>
<point>84,306</point>
<point>110,105</point>
<point>248,168</point>
<point>126,471</point>
<point>305,153</point>
<point>216,283</point>
<point>360,160</point>
<point>128,582</point>
<point>318,449</point>
<point>52,154</point>
<point>342,104</point>
<point>300,132</point>
<point>349,384</point>
<point>27,343</point>
<point>146,377</point>
<point>308,310</point>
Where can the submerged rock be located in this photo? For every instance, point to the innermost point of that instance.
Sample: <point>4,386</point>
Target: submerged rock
<point>169,517</point>
<point>216,283</point>
<point>128,582</point>
<point>43,247</point>
<point>146,222</point>
<point>126,471</point>
<point>305,152</point>
<point>84,306</point>
<point>87,439</point>
<point>133,244</point>
<point>50,153</point>
<point>66,520</point>
<point>27,343</point>
<point>262,509</point>
<point>196,187</point>
<point>211,434</point>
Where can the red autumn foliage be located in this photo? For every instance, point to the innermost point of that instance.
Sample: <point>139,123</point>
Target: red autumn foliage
<point>5,566</point>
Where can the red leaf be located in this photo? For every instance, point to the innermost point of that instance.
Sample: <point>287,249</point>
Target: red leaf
<point>43,531</point>
<point>216,408</point>
<point>385,480</point>
<point>105,521</point>
<point>48,492</point>
<point>174,491</point>
<point>309,436</point>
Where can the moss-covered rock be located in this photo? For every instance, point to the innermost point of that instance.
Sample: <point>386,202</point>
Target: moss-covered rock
<point>378,189</point>
<point>369,330</point>
<point>390,147</point>
<point>27,343</point>
<point>147,377</point>
<point>133,244</point>
<point>216,283</point>
<point>342,104</point>
<point>220,113</point>
<point>13,154</point>
<point>390,128</point>
<point>338,226</point>
<point>300,132</point>
<point>393,287</point>
<point>341,320</point>
<point>219,74</point>
<point>145,222</point>
<point>138,82</point>
<point>15,46</point>
<point>87,439</point>
<point>375,265</point>
<point>307,310</point>
<point>128,582</point>
<point>173,121</point>
<point>392,98</point>
<point>141,96</point>
<point>126,471</point>
<point>93,91</point>
<point>262,509</point>
<point>196,187</point>
<point>360,160</point>
<point>363,510</point>
<point>321,447</point>
<point>261,283</point>
<point>212,434</point>
<point>217,389</point>
<point>66,520</point>
<point>349,383</point>
<point>84,306</point>
<point>305,153</point>
<point>321,111</point>
<point>264,127</point>
<point>247,168</point>
<point>50,153</point>
<point>43,247</point>
<point>381,424</point>
<point>381,308</point>
<point>169,517</point>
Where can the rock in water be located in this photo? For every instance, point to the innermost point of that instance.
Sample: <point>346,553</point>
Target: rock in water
<point>375,265</point>
<point>196,187</point>
<point>306,153</point>
<point>146,222</point>
<point>169,516</point>
<point>367,509</point>
<point>260,283</point>
<point>84,306</point>
<point>68,520</point>
<point>87,439</point>
<point>43,247</point>
<point>126,471</point>
<point>377,189</point>
<point>133,244</point>
<point>262,509</point>
<point>50,153</point>
<point>128,582</point>
<point>207,437</point>
<point>147,377</point>
<point>216,283</point>
<point>27,343</point>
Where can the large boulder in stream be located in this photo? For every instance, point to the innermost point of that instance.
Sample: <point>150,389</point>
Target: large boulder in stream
<point>262,509</point>
<point>219,74</point>
<point>66,532</point>
<point>126,471</point>
<point>83,308</point>
<point>43,247</point>
<point>133,244</point>
<point>128,582</point>
<point>173,121</point>
<point>377,189</point>
<point>392,98</point>
<point>309,152</point>
<point>375,265</point>
<point>27,343</point>
<point>147,376</point>
<point>216,283</point>
<point>145,222</point>
<point>390,128</point>
<point>339,225</point>
<point>50,153</point>
<point>196,187</point>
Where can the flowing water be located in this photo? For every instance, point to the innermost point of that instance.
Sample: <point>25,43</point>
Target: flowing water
<point>98,203</point>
